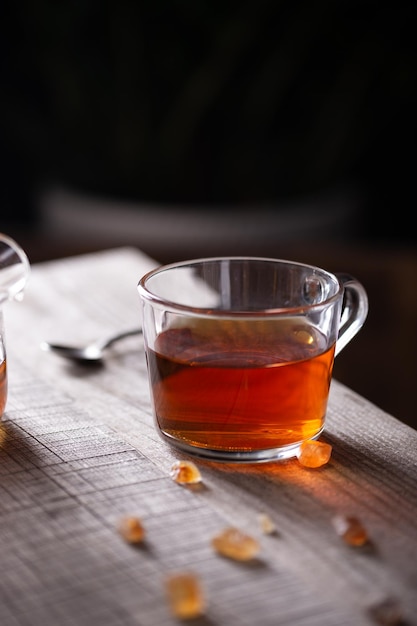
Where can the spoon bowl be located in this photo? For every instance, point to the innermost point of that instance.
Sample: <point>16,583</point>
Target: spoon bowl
<point>92,352</point>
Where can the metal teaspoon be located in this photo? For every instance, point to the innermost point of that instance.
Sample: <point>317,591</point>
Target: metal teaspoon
<point>91,352</point>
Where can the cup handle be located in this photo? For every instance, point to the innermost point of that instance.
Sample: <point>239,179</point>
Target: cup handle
<point>354,310</point>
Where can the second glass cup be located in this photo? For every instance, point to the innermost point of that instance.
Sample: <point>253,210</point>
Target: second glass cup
<point>14,273</point>
<point>240,352</point>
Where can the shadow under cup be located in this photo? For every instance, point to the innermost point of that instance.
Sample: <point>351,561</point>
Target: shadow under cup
<point>240,352</point>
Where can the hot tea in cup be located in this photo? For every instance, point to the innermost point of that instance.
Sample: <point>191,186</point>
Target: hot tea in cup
<point>240,352</point>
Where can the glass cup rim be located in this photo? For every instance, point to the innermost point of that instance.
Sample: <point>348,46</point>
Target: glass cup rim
<point>155,299</point>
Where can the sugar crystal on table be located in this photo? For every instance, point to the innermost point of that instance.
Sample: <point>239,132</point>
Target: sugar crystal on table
<point>387,613</point>
<point>350,529</point>
<point>267,525</point>
<point>235,544</point>
<point>185,595</point>
<point>314,453</point>
<point>131,529</point>
<point>185,472</point>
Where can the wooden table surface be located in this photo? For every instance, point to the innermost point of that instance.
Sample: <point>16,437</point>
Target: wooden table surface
<point>78,452</point>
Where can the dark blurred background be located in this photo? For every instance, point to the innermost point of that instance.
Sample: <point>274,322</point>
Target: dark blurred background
<point>195,128</point>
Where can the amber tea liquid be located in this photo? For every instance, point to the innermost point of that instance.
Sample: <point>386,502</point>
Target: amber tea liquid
<point>241,387</point>
<point>3,386</point>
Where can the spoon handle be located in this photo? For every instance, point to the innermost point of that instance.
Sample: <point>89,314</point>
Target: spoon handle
<point>127,333</point>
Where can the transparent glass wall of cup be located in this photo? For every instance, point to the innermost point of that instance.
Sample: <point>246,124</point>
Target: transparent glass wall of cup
<point>14,273</point>
<point>240,352</point>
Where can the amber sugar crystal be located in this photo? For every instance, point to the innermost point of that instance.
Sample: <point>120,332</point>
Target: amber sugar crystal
<point>387,613</point>
<point>314,453</point>
<point>185,472</point>
<point>267,525</point>
<point>185,595</point>
<point>351,530</point>
<point>235,544</point>
<point>132,530</point>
